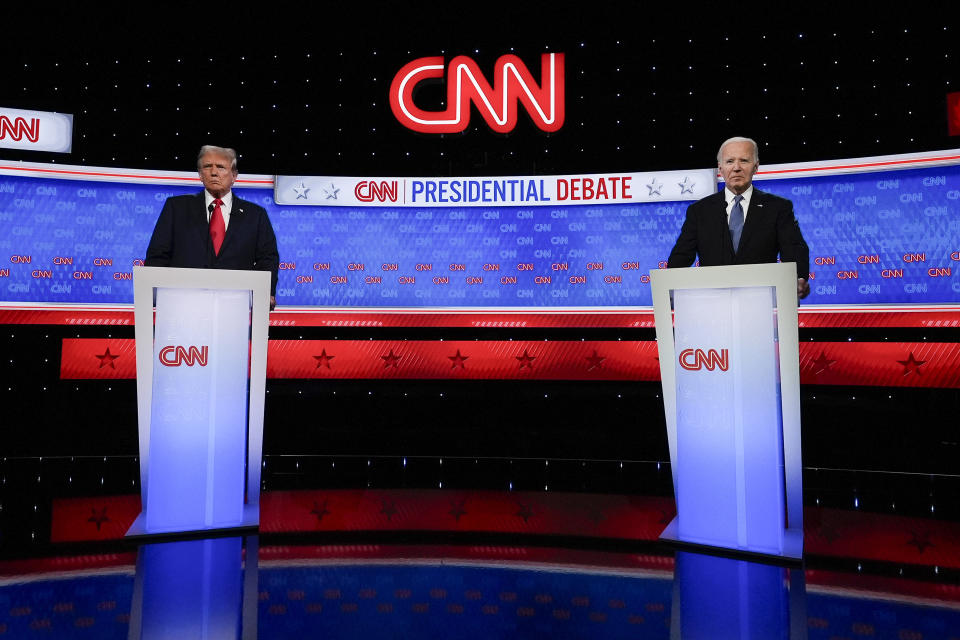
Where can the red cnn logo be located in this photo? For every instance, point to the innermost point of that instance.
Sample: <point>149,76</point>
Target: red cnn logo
<point>696,359</point>
<point>19,128</point>
<point>368,191</point>
<point>183,355</point>
<point>465,84</point>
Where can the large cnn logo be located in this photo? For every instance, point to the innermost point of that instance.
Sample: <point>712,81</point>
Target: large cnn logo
<point>18,128</point>
<point>697,359</point>
<point>175,356</point>
<point>512,83</point>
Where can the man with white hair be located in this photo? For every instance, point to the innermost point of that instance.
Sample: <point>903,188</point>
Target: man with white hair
<point>214,229</point>
<point>741,224</point>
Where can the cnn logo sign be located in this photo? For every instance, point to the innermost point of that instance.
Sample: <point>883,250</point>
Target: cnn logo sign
<point>512,83</point>
<point>370,190</point>
<point>175,356</point>
<point>697,359</point>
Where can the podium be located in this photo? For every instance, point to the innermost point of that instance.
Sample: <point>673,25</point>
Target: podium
<point>730,367</point>
<point>201,372</point>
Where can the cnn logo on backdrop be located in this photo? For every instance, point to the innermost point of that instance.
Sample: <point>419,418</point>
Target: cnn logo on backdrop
<point>512,83</point>
<point>175,356</point>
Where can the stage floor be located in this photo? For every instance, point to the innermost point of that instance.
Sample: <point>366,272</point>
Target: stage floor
<point>265,587</point>
<point>406,547</point>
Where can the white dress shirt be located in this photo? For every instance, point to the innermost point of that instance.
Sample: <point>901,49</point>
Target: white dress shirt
<point>225,208</point>
<point>745,203</point>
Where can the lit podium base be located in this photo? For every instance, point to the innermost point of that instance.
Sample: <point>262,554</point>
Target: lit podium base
<point>201,373</point>
<point>729,363</point>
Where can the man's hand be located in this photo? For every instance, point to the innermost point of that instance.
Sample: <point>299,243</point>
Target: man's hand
<point>803,288</point>
<point>273,302</point>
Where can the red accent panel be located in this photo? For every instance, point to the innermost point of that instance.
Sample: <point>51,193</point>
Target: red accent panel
<point>96,358</point>
<point>116,316</point>
<point>578,514</point>
<point>463,359</point>
<point>942,317</point>
<point>101,518</point>
<point>905,316</point>
<point>830,532</point>
<point>483,319</point>
<point>881,364</point>
<point>878,536</point>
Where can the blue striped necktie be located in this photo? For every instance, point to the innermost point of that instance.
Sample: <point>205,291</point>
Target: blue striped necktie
<point>736,222</point>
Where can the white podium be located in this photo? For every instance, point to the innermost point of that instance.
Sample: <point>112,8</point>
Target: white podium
<point>730,367</point>
<point>201,372</point>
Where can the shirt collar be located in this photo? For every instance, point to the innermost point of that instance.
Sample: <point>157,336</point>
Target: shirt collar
<point>227,199</point>
<point>729,195</point>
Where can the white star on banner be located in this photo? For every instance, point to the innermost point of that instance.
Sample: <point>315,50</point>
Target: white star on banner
<point>654,188</point>
<point>332,192</point>
<point>301,191</point>
<point>686,186</point>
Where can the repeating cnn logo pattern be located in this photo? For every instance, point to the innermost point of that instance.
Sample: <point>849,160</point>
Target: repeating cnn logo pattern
<point>513,82</point>
<point>697,359</point>
<point>174,356</point>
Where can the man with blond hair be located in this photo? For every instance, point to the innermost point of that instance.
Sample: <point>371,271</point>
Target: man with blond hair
<point>741,224</point>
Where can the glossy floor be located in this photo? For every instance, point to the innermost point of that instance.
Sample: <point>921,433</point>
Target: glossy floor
<point>235,587</point>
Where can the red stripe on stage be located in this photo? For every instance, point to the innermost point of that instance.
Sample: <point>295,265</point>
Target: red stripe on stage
<point>881,364</point>
<point>99,518</point>
<point>463,359</point>
<point>943,316</point>
<point>827,532</point>
<point>576,514</point>
<point>98,359</point>
<point>877,364</point>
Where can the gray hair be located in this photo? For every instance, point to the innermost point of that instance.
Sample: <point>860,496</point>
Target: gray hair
<point>756,150</point>
<point>220,151</point>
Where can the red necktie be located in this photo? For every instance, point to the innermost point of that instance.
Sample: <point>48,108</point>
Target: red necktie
<point>217,228</point>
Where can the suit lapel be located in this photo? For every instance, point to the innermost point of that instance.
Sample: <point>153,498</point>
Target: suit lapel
<point>236,219</point>
<point>198,218</point>
<point>719,215</point>
<point>755,214</point>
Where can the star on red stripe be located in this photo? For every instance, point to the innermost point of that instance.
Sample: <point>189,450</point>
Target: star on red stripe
<point>323,360</point>
<point>822,363</point>
<point>98,518</point>
<point>458,360</point>
<point>390,360</point>
<point>596,361</point>
<point>911,365</point>
<point>107,359</point>
<point>526,360</point>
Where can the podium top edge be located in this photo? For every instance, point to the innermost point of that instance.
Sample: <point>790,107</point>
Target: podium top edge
<point>727,276</point>
<point>177,277</point>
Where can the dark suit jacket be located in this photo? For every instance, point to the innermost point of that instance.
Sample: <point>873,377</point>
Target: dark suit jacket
<point>182,238</point>
<point>770,230</point>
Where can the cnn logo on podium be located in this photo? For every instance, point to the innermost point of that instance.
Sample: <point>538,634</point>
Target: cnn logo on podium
<point>697,359</point>
<point>175,356</point>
